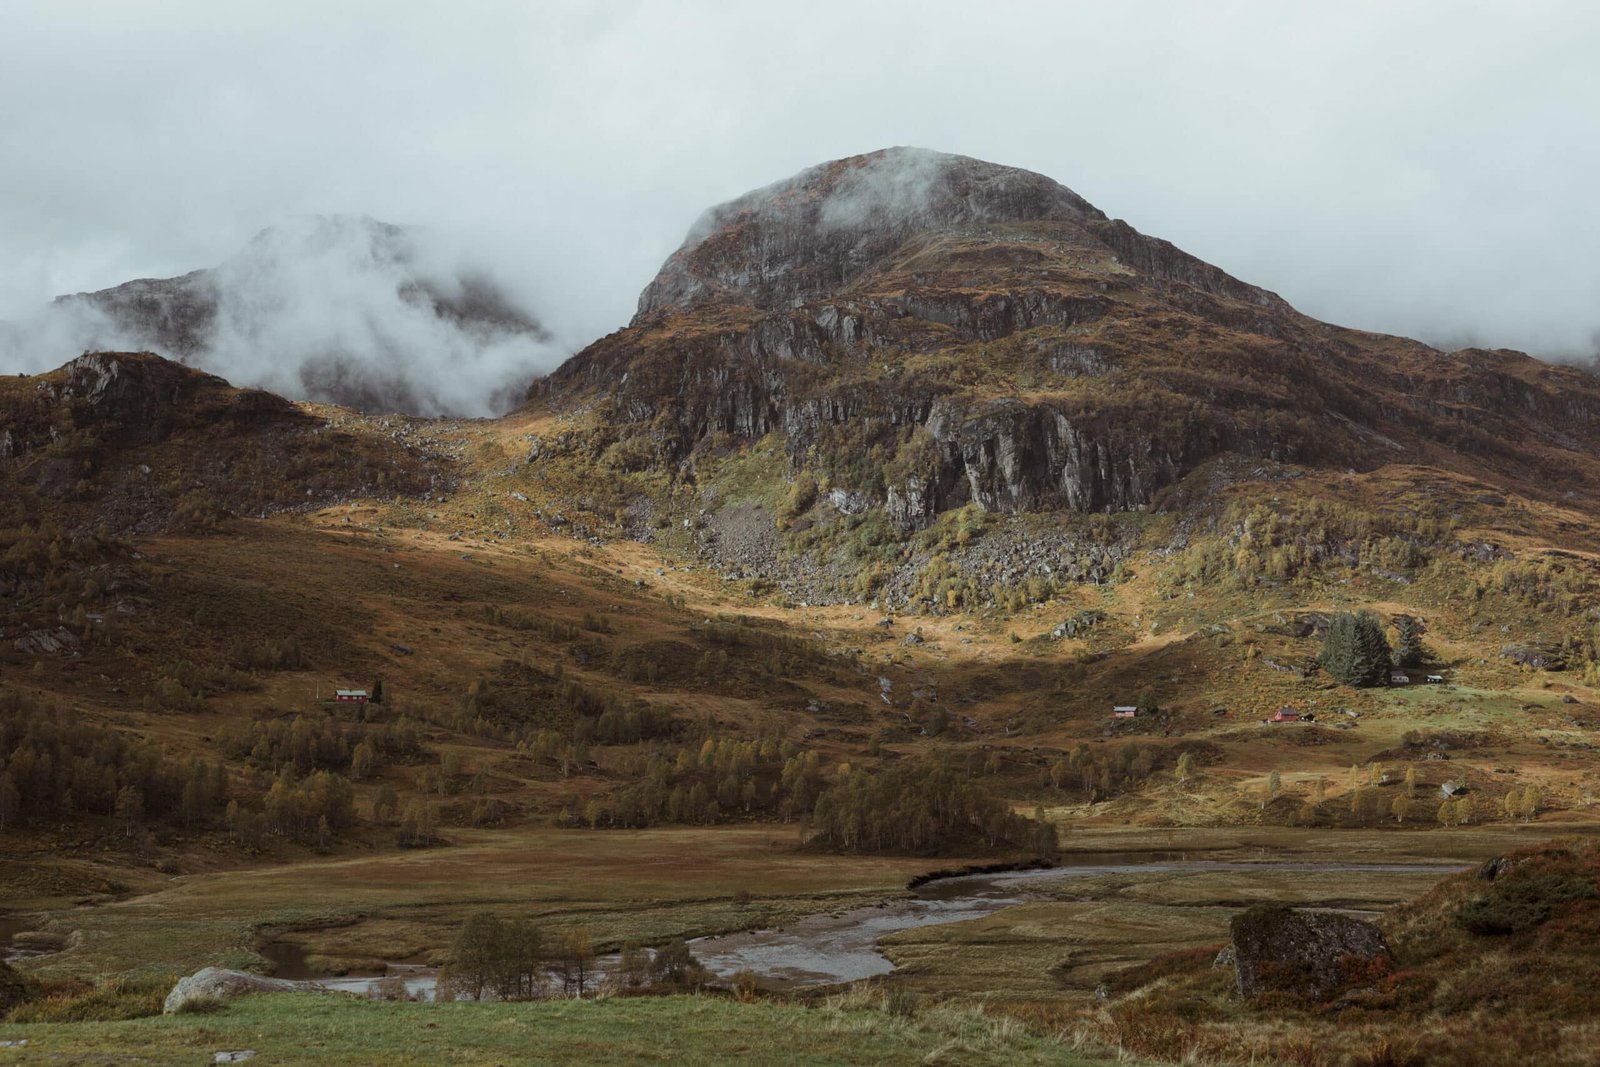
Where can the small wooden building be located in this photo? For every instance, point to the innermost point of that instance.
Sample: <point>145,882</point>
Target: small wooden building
<point>1285,715</point>
<point>351,696</point>
<point>1125,711</point>
<point>1399,678</point>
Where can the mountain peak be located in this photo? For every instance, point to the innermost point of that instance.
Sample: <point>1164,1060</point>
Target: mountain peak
<point>794,239</point>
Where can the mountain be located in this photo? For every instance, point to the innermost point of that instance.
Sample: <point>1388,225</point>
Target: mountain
<point>341,309</point>
<point>923,330</point>
<point>131,442</point>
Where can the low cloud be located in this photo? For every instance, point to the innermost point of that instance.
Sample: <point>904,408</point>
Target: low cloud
<point>342,309</point>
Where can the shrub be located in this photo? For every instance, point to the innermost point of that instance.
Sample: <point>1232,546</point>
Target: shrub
<point>1518,903</point>
<point>111,1000</point>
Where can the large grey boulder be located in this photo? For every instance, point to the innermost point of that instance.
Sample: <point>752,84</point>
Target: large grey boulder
<point>219,983</point>
<point>1310,954</point>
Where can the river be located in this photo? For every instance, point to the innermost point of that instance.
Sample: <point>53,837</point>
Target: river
<point>828,948</point>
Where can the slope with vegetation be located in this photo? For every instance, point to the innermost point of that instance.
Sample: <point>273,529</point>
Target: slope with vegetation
<point>839,556</point>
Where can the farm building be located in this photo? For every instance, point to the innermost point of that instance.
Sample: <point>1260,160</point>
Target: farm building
<point>1125,711</point>
<point>1285,715</point>
<point>1435,679</point>
<point>351,696</point>
<point>1399,678</point>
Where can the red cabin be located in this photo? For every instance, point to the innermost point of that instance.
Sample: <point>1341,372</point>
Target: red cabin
<point>1285,715</point>
<point>351,696</point>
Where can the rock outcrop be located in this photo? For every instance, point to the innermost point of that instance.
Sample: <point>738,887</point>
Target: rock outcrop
<point>219,983</point>
<point>1309,954</point>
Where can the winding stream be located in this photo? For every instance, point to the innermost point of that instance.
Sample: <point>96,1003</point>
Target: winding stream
<point>827,948</point>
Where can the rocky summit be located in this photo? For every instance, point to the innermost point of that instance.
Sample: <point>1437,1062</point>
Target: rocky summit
<point>924,330</point>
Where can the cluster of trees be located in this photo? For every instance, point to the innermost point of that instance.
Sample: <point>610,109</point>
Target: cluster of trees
<point>513,959</point>
<point>309,808</point>
<point>525,699</point>
<point>38,555</point>
<point>721,779</point>
<point>551,629</point>
<point>1290,541</point>
<point>917,807</point>
<point>1560,585</point>
<point>921,807</point>
<point>53,765</point>
<point>770,651</point>
<point>1111,772</point>
<point>308,743</point>
<point>1356,649</point>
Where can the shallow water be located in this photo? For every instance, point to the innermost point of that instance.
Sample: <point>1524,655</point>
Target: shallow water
<point>842,947</point>
<point>10,927</point>
<point>824,949</point>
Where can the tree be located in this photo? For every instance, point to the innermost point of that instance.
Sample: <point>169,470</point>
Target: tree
<point>1356,651</point>
<point>1411,781</point>
<point>1408,650</point>
<point>575,959</point>
<point>129,809</point>
<point>633,966</point>
<point>1530,802</point>
<point>496,957</point>
<point>1185,767</point>
<point>675,965</point>
<point>376,695</point>
<point>1274,786</point>
<point>384,804</point>
<point>1400,808</point>
<point>473,955</point>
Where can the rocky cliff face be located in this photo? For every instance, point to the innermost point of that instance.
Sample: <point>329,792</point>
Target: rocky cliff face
<point>985,334</point>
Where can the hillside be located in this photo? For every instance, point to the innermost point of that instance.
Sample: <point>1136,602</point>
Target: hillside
<point>823,573</point>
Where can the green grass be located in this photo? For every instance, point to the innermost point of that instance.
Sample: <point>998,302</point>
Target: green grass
<point>283,1029</point>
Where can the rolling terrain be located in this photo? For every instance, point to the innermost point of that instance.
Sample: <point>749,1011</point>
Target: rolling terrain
<point>825,572</point>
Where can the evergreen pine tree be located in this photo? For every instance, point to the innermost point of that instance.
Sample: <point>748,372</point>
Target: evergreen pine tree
<point>1408,650</point>
<point>1339,648</point>
<point>1373,654</point>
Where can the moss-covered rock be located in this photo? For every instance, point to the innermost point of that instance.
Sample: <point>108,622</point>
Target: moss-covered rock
<point>1310,954</point>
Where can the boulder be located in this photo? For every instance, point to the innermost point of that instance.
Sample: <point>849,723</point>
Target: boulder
<point>1310,954</point>
<point>219,983</point>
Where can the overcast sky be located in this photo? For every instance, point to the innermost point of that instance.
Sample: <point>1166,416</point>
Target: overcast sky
<point>1428,168</point>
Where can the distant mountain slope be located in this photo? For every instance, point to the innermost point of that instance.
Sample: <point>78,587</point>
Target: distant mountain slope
<point>126,441</point>
<point>341,309</point>
<point>928,329</point>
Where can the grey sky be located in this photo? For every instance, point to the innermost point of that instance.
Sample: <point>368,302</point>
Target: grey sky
<point>1427,168</point>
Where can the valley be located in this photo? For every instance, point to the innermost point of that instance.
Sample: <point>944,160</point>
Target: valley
<point>882,542</point>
